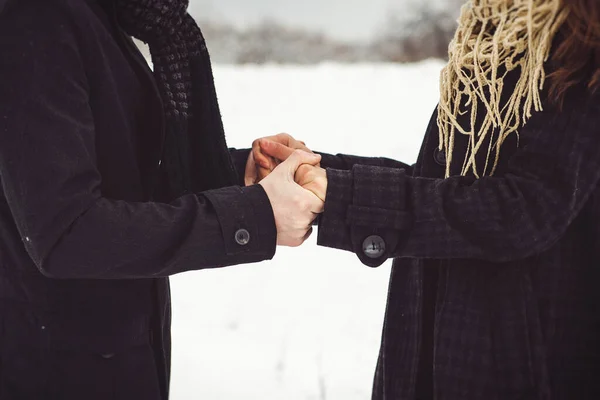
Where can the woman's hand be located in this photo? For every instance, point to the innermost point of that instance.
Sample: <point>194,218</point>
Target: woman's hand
<point>267,153</point>
<point>313,178</point>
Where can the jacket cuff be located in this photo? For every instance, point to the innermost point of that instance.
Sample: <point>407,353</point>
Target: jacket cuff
<point>379,212</point>
<point>365,212</point>
<point>334,230</point>
<point>331,161</point>
<point>247,221</point>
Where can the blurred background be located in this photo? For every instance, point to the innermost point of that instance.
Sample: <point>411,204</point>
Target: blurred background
<point>345,76</point>
<point>312,31</point>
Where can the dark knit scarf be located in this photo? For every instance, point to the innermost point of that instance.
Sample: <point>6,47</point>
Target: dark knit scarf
<point>195,155</point>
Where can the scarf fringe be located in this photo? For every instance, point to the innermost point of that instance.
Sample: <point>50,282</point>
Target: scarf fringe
<point>494,37</point>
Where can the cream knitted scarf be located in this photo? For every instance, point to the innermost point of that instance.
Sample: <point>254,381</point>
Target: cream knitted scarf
<point>494,37</point>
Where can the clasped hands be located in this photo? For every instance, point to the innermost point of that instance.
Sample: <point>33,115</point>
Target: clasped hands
<point>294,181</point>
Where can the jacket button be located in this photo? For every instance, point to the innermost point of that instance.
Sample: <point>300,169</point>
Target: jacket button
<point>242,237</point>
<point>440,157</point>
<point>374,246</point>
<point>107,356</point>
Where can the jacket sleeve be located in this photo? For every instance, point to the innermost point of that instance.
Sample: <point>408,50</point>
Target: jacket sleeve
<point>503,218</point>
<point>338,161</point>
<point>52,184</point>
<point>347,162</point>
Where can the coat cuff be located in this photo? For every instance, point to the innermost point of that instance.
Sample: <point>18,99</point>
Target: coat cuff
<point>247,221</point>
<point>334,230</point>
<point>365,212</point>
<point>331,161</point>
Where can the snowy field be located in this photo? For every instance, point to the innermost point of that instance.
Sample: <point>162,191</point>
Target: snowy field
<point>306,325</point>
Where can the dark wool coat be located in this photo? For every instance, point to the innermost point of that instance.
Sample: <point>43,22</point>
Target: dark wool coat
<point>84,255</point>
<point>494,288</point>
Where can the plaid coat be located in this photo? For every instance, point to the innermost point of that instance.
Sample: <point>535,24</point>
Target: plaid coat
<point>493,292</point>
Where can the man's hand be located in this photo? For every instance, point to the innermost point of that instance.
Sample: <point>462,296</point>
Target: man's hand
<point>312,178</point>
<point>267,153</point>
<point>294,208</point>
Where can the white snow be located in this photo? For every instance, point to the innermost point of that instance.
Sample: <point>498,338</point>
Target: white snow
<point>306,325</point>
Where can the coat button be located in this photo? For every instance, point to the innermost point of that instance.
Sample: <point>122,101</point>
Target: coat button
<point>374,246</point>
<point>440,157</point>
<point>107,356</point>
<point>242,237</point>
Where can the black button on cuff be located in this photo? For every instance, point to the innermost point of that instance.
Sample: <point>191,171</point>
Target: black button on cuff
<point>374,247</point>
<point>242,237</point>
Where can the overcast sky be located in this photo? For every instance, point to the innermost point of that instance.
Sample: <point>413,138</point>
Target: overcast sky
<point>345,19</point>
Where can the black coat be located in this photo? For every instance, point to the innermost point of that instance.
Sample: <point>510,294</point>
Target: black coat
<point>84,253</point>
<point>494,288</point>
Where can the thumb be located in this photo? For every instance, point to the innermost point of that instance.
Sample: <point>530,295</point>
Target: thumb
<point>298,158</point>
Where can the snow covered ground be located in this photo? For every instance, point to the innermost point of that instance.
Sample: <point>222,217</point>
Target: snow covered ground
<point>307,324</point>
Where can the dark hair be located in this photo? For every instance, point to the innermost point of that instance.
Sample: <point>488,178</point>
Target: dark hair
<point>576,57</point>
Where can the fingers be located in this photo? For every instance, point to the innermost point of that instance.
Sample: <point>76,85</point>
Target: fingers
<point>263,173</point>
<point>298,158</point>
<point>267,153</point>
<point>280,146</point>
<point>308,205</point>
<point>275,150</point>
<point>260,158</point>
<point>313,179</point>
<point>304,174</point>
<point>294,208</point>
<point>317,189</point>
<point>254,173</point>
<point>251,172</point>
<point>295,226</point>
<point>289,141</point>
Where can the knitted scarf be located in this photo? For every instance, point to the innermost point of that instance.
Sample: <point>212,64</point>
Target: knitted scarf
<point>494,37</point>
<point>195,154</point>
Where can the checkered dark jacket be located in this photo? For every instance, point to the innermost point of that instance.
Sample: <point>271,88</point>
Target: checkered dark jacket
<point>494,289</point>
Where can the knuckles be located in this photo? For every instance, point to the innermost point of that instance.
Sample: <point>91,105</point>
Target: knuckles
<point>299,153</point>
<point>283,136</point>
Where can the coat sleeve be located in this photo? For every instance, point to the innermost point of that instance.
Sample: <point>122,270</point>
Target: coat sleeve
<point>338,161</point>
<point>347,162</point>
<point>503,218</point>
<point>52,184</point>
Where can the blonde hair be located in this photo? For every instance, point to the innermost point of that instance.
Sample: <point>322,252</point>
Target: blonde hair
<point>494,37</point>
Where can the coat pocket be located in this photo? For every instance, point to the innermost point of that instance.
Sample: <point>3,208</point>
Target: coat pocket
<point>48,358</point>
<point>128,374</point>
<point>519,354</point>
<point>102,360</point>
